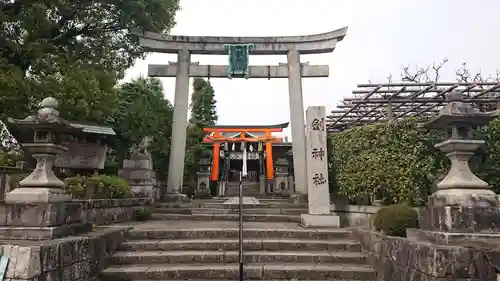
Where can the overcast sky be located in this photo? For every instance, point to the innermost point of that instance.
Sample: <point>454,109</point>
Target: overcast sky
<point>382,36</point>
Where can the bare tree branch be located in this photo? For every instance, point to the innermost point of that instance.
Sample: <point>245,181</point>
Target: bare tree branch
<point>463,74</point>
<point>437,69</point>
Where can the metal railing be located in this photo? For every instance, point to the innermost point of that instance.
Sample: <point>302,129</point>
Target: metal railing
<point>243,174</point>
<point>240,228</point>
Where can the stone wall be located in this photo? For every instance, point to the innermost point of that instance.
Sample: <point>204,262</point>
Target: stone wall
<point>73,258</point>
<point>104,211</point>
<point>354,215</point>
<point>107,211</point>
<point>397,259</point>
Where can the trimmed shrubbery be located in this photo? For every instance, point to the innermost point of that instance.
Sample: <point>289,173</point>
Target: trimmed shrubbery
<point>395,219</point>
<point>398,163</point>
<point>100,187</point>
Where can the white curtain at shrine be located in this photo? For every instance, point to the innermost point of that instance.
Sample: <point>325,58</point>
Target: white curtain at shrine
<point>243,147</point>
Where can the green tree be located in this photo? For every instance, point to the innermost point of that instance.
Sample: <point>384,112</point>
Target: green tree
<point>203,112</point>
<point>72,50</point>
<point>144,111</point>
<point>203,104</point>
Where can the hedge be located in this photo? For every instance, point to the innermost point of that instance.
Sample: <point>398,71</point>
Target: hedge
<point>398,161</point>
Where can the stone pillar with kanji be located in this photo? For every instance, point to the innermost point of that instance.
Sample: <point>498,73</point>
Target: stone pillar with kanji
<point>317,171</point>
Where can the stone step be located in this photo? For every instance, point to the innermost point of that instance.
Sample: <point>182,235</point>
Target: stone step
<point>248,233</point>
<point>220,271</point>
<point>233,192</point>
<point>244,183</point>
<point>235,280</point>
<point>254,206</point>
<point>337,245</point>
<point>163,210</point>
<point>176,257</point>
<point>194,211</point>
<point>227,217</point>
<point>173,205</point>
<point>219,204</point>
<point>262,199</point>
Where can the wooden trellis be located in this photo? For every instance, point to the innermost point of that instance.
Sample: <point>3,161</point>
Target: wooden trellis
<point>385,102</point>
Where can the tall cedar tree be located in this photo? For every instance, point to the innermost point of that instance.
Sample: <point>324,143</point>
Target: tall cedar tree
<point>203,112</point>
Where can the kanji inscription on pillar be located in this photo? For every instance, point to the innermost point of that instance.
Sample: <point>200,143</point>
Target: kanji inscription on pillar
<point>317,162</point>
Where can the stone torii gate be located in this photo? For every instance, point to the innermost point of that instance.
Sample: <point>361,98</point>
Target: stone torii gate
<point>183,69</point>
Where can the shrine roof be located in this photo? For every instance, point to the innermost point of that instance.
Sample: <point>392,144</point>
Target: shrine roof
<point>274,144</point>
<point>275,126</point>
<point>283,144</point>
<point>95,129</point>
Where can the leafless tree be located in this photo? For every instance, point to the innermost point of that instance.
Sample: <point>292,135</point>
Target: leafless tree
<point>464,76</point>
<point>422,75</point>
<point>432,74</point>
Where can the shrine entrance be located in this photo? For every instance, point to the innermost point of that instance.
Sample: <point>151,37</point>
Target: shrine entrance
<point>236,165</point>
<point>230,143</point>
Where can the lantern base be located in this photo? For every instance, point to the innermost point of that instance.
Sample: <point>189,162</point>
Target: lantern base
<point>175,198</point>
<point>459,219</point>
<point>464,198</point>
<point>26,195</point>
<point>299,199</point>
<point>319,221</point>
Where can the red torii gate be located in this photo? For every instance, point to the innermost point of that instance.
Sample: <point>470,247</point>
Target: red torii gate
<point>214,136</point>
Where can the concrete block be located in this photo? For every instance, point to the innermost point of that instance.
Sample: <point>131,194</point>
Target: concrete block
<point>307,220</point>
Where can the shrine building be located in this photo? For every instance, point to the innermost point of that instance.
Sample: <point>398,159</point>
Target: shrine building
<point>268,157</point>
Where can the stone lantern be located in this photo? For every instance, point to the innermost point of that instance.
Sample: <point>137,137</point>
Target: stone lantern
<point>40,208</point>
<point>461,195</point>
<point>42,185</point>
<point>203,183</point>
<point>460,186</point>
<point>281,186</point>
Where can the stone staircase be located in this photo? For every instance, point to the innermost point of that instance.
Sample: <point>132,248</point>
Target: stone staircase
<point>269,210</point>
<point>200,242</point>
<point>250,188</point>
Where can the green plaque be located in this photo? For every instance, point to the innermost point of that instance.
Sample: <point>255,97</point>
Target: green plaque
<point>238,60</point>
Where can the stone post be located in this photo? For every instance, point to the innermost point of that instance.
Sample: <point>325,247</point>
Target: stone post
<point>297,124</point>
<point>138,171</point>
<point>291,184</point>
<point>262,185</point>
<point>262,176</point>
<point>281,181</point>
<point>203,182</point>
<point>40,208</point>
<point>179,127</point>
<point>317,172</point>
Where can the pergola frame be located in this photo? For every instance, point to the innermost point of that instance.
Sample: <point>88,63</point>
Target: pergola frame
<point>386,102</point>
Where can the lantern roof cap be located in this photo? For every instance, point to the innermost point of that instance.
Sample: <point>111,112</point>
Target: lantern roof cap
<point>459,112</point>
